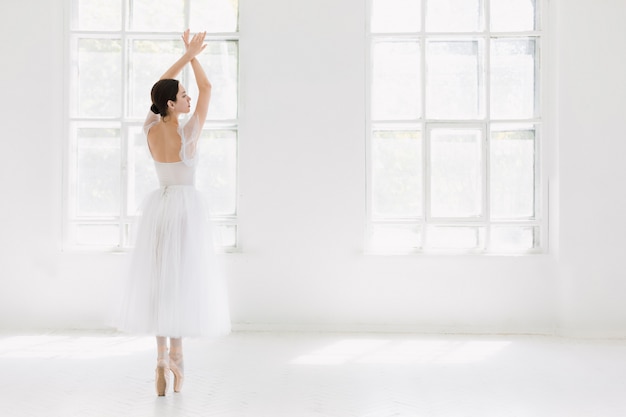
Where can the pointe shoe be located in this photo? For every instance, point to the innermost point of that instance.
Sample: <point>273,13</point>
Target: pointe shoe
<point>162,377</point>
<point>177,367</point>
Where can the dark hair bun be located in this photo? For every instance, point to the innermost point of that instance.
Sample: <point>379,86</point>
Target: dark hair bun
<point>154,109</point>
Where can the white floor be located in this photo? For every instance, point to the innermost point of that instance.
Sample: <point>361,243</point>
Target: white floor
<point>301,375</point>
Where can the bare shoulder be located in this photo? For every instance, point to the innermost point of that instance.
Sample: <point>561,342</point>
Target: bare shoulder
<point>155,133</point>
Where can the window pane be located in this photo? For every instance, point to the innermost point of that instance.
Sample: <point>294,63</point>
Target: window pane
<point>396,81</point>
<point>216,174</point>
<point>214,15</point>
<point>396,15</point>
<point>455,237</point>
<point>157,15</point>
<point>453,15</point>
<point>397,173</point>
<point>513,78</point>
<point>512,165</point>
<point>395,237</point>
<point>220,61</point>
<point>97,234</point>
<point>141,173</point>
<point>131,233</point>
<point>454,79</point>
<point>513,238</point>
<point>148,60</point>
<point>226,236</point>
<point>456,172</point>
<point>99,76</point>
<point>98,15</point>
<point>512,15</point>
<point>98,171</point>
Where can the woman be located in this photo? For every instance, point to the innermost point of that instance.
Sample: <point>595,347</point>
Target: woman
<point>174,288</point>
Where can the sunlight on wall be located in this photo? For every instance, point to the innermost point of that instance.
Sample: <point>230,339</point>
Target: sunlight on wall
<point>377,351</point>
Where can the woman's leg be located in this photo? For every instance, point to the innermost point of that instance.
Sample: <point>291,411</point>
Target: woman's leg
<point>161,347</point>
<point>163,369</point>
<point>176,361</point>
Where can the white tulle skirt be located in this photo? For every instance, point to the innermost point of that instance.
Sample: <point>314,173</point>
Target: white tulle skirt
<point>175,287</point>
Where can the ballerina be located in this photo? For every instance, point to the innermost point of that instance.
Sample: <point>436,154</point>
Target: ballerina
<point>174,287</point>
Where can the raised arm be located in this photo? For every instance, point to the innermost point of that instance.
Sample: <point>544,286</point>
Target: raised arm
<point>204,85</point>
<point>204,91</point>
<point>192,48</point>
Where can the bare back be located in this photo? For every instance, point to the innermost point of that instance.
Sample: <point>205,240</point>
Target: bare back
<point>169,143</point>
<point>164,142</point>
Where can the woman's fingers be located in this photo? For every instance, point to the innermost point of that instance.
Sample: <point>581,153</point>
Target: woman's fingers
<point>196,44</point>
<point>199,37</point>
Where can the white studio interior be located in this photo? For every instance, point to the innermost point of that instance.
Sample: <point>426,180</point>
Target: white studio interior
<point>302,266</point>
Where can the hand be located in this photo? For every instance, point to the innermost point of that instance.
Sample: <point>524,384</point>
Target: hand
<point>196,45</point>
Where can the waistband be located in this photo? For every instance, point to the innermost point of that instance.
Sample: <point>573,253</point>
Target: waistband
<point>177,186</point>
<point>166,189</point>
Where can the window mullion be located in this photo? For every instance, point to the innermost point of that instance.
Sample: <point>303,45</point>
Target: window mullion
<point>538,203</point>
<point>487,125</point>
<point>123,186</point>
<point>426,182</point>
<point>425,215</point>
<point>486,182</point>
<point>123,230</point>
<point>187,8</point>
<point>186,71</point>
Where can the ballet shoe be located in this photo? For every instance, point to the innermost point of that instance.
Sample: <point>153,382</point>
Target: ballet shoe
<point>177,367</point>
<point>162,377</point>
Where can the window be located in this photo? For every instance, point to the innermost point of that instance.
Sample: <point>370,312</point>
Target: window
<point>118,49</point>
<point>454,147</point>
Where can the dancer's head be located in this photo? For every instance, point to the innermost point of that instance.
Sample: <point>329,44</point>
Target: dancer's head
<point>169,97</point>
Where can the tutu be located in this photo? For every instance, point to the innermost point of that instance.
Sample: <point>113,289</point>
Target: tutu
<point>175,287</point>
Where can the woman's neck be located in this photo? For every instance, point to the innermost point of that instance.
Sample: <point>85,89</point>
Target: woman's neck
<point>171,120</point>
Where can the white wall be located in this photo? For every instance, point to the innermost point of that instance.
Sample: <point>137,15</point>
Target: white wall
<point>302,189</point>
<point>592,145</point>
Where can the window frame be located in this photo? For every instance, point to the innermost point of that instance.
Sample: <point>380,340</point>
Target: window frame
<point>423,125</point>
<point>127,123</point>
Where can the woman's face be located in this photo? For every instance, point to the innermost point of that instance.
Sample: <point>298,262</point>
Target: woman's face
<point>183,101</point>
